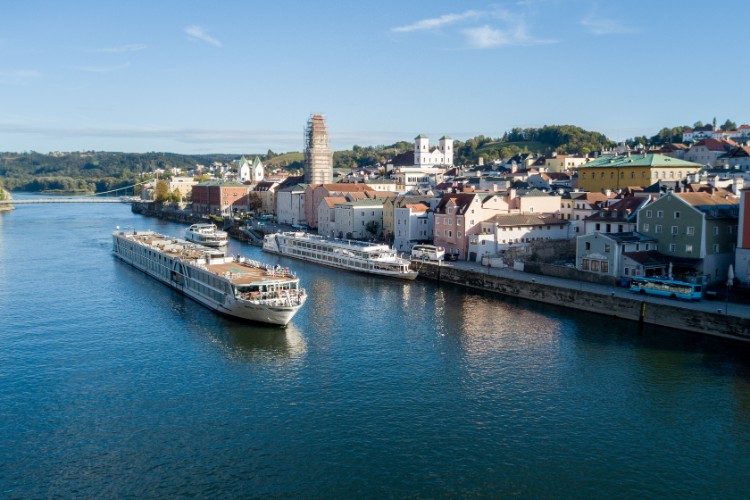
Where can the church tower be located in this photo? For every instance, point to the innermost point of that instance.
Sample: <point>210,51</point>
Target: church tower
<point>446,148</point>
<point>421,150</point>
<point>318,155</point>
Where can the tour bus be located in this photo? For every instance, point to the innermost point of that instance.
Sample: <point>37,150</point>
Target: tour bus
<point>666,288</point>
<point>427,252</point>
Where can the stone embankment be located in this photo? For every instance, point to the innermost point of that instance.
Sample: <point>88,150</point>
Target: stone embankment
<point>710,318</point>
<point>151,209</point>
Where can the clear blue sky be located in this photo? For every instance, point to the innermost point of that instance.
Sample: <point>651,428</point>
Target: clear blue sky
<point>243,76</point>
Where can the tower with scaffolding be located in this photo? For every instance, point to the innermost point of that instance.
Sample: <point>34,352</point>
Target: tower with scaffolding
<point>318,155</point>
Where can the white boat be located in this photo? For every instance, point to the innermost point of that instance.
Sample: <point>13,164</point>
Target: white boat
<point>206,234</point>
<point>232,285</point>
<point>343,254</point>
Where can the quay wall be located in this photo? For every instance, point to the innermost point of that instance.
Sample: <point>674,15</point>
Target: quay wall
<point>151,209</point>
<point>671,316</point>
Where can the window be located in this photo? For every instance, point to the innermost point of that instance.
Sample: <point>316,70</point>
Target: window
<point>659,214</point>
<point>677,215</point>
<point>716,230</point>
<point>675,230</point>
<point>459,234</point>
<point>649,213</point>
<point>716,248</point>
<point>657,228</point>
<point>588,245</point>
<point>597,226</point>
<point>644,227</point>
<point>688,248</point>
<point>672,247</point>
<point>607,248</point>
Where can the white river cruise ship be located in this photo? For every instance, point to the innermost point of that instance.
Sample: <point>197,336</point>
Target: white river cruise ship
<point>234,286</point>
<point>351,255</point>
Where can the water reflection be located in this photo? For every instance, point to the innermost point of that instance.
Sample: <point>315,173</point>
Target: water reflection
<point>256,342</point>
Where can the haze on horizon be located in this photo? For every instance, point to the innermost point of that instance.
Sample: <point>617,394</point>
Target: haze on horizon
<point>236,77</point>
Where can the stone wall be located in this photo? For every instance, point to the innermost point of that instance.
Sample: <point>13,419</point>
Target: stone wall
<point>634,308</point>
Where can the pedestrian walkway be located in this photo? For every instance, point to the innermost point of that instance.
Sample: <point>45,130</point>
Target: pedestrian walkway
<point>715,306</point>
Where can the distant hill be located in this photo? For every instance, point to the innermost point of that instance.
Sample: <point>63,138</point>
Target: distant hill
<point>102,171</point>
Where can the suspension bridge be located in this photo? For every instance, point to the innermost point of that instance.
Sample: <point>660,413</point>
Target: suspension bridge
<point>103,197</point>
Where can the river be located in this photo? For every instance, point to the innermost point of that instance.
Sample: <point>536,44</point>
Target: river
<point>113,385</point>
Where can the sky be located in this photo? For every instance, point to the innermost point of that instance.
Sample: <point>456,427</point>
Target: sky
<point>226,76</point>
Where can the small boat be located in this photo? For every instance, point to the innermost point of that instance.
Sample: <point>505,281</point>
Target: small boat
<point>207,235</point>
<point>360,256</point>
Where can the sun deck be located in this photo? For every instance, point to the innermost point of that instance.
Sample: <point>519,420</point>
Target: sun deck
<point>245,273</point>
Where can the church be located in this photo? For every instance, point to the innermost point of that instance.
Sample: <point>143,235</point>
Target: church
<point>250,171</point>
<point>424,157</point>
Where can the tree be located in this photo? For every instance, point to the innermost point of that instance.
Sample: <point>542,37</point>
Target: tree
<point>175,196</point>
<point>373,227</point>
<point>254,203</point>
<point>729,125</point>
<point>161,191</point>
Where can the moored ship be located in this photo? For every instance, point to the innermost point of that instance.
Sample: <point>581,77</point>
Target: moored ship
<point>232,285</point>
<point>206,234</point>
<point>351,255</point>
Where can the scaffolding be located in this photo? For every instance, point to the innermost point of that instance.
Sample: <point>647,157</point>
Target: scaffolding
<point>318,154</point>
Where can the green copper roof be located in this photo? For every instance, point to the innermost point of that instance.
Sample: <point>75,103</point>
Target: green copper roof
<point>421,136</point>
<point>640,160</point>
<point>215,182</point>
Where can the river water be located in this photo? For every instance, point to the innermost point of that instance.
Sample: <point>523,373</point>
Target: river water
<point>112,385</point>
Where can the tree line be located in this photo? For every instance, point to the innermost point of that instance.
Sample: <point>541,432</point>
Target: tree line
<point>93,171</point>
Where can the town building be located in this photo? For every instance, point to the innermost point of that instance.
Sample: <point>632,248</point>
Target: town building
<point>314,194</point>
<point>708,151</point>
<point>562,163</point>
<point>619,217</point>
<point>620,172</point>
<point>426,157</point>
<point>742,254</point>
<point>391,204</point>
<point>183,185</point>
<point>266,191</point>
<point>414,223</point>
<point>458,215</point>
<point>605,253</point>
<point>359,220</point>
<point>290,204</point>
<point>327,215</point>
<point>250,171</point>
<point>220,198</point>
<point>502,232</point>
<point>696,232</point>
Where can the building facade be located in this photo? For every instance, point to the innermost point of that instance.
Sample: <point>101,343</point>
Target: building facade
<point>621,172</point>
<point>697,232</point>
<point>413,224</point>
<point>218,198</point>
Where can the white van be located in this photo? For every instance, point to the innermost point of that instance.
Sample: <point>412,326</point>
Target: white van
<point>427,252</point>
